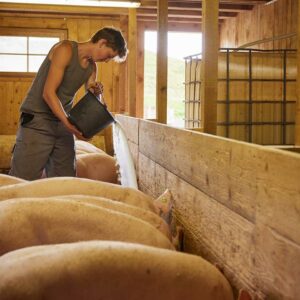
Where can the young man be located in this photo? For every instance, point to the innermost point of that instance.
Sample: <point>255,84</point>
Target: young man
<point>45,136</point>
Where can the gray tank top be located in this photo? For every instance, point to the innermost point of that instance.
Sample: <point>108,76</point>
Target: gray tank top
<point>75,75</point>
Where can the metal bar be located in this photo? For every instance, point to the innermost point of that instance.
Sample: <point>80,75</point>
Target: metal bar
<point>255,50</point>
<point>199,97</point>
<point>23,54</point>
<point>185,65</point>
<point>284,100</point>
<point>227,93</point>
<point>189,107</point>
<point>257,79</point>
<point>254,123</point>
<point>272,39</point>
<point>250,97</point>
<point>241,50</point>
<point>256,101</point>
<point>195,72</point>
<point>27,58</point>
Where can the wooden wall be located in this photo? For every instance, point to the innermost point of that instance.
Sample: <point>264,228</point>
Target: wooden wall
<point>237,202</point>
<point>14,86</point>
<point>264,21</point>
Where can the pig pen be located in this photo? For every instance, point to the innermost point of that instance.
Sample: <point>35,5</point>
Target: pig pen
<point>238,203</point>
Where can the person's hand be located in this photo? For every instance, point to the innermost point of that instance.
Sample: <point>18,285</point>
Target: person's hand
<point>74,130</point>
<point>96,88</point>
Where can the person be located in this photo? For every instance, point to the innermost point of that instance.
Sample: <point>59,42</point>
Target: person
<point>45,137</point>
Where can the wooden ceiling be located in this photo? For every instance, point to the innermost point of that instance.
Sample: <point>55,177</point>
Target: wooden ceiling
<point>179,11</point>
<point>190,11</point>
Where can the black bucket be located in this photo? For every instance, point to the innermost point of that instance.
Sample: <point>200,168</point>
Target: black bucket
<point>90,116</point>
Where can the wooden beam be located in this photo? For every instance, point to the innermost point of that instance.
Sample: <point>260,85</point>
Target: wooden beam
<point>132,41</point>
<point>61,9</point>
<point>193,20</point>
<point>140,74</point>
<point>122,104</point>
<point>297,120</point>
<point>180,5</point>
<point>209,66</point>
<point>244,2</point>
<point>182,13</point>
<point>162,61</point>
<point>172,26</point>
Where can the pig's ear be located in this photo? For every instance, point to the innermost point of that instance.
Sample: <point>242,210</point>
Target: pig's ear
<point>244,295</point>
<point>164,205</point>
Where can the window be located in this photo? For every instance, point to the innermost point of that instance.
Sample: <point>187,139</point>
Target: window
<point>24,52</point>
<point>180,44</point>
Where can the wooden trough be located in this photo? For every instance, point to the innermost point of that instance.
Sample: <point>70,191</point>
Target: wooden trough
<point>239,203</point>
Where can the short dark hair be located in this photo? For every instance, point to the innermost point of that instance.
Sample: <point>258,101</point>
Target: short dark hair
<point>115,40</point>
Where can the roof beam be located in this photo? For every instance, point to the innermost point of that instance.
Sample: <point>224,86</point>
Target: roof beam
<point>184,13</point>
<point>180,5</point>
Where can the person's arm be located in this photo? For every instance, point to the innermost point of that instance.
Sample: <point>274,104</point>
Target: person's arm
<point>60,57</point>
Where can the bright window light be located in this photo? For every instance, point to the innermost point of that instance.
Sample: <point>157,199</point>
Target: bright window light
<point>94,3</point>
<point>180,45</point>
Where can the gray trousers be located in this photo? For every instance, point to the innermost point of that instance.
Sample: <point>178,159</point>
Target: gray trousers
<point>43,144</point>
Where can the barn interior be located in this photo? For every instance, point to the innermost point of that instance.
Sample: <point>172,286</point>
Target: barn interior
<point>233,168</point>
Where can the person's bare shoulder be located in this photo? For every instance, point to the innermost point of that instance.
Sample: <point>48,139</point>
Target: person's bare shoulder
<point>62,50</point>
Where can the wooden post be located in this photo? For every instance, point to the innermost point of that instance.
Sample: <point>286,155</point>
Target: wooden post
<point>162,61</point>
<point>132,41</point>
<point>209,66</point>
<point>122,104</point>
<point>140,73</point>
<point>297,114</point>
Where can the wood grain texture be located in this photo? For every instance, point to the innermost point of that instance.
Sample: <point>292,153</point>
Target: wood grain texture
<point>209,66</point>
<point>264,21</point>
<point>132,61</point>
<point>238,203</point>
<point>162,62</point>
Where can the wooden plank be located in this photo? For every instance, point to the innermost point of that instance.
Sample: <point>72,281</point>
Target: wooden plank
<point>258,254</point>
<point>209,66</point>
<point>263,21</point>
<point>212,165</point>
<point>210,229</point>
<point>130,126</point>
<point>276,264</point>
<point>132,40</point>
<point>278,191</point>
<point>64,9</point>
<point>243,177</point>
<point>34,22</point>
<point>6,100</point>
<point>122,104</point>
<point>72,29</point>
<point>146,174</point>
<point>162,62</point>
<point>140,73</point>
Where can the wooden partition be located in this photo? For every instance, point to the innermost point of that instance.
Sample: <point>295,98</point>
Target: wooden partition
<point>265,21</point>
<point>237,202</point>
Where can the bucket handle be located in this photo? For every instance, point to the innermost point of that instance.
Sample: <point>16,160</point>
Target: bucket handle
<point>101,99</point>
